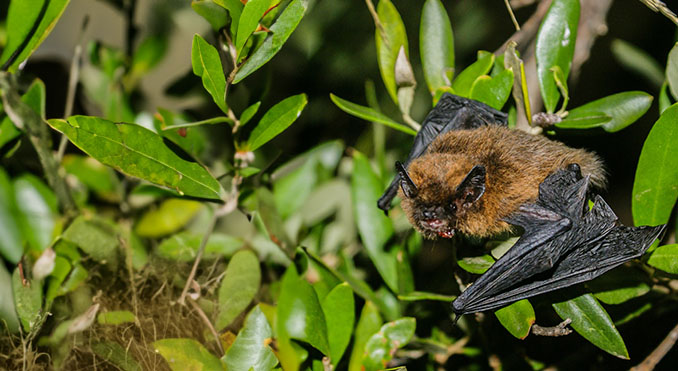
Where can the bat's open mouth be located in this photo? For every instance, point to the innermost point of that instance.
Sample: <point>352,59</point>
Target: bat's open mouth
<point>440,227</point>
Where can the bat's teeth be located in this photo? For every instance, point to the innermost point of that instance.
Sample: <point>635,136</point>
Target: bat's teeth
<point>449,233</point>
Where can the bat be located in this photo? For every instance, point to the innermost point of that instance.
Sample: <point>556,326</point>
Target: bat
<point>451,113</point>
<point>469,173</point>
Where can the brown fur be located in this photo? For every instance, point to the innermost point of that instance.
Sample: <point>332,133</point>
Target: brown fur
<point>515,162</point>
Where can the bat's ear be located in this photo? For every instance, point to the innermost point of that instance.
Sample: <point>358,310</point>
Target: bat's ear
<point>409,188</point>
<point>473,186</point>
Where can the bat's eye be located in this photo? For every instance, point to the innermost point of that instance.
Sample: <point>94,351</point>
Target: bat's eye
<point>453,207</point>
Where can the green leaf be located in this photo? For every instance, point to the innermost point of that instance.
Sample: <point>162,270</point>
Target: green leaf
<point>214,14</point>
<point>35,99</point>
<point>476,264</point>
<point>248,171</point>
<point>61,269</point>
<point>114,353</point>
<point>183,246</point>
<point>148,54</point>
<point>276,119</point>
<point>637,60</point>
<point>403,270</point>
<point>94,175</point>
<point>464,82</point>
<point>592,322</point>
<point>8,316</point>
<point>11,243</point>
<point>207,64</point>
<point>172,215</point>
<point>555,47</point>
<point>248,113</point>
<point>280,32</point>
<point>339,308</point>
<point>420,295</point>
<point>187,354</point>
<point>517,318</point>
<point>21,16</point>
<point>672,71</point>
<point>624,109</point>
<point>665,258</point>
<point>96,237</point>
<point>77,277</point>
<point>293,189</point>
<point>27,300</point>
<point>368,325</point>
<point>436,42</point>
<point>249,20</point>
<point>664,100</point>
<point>374,227</point>
<point>387,50</point>
<point>619,285</point>
<point>234,8</point>
<point>138,152</point>
<point>583,120</point>
<point>250,350</point>
<point>37,207</point>
<point>654,188</point>
<point>561,83</point>
<point>493,91</point>
<point>381,347</point>
<point>369,114</point>
<point>239,286</point>
<point>116,317</point>
<point>300,315</point>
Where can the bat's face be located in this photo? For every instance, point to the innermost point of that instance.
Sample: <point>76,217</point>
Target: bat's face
<point>438,195</point>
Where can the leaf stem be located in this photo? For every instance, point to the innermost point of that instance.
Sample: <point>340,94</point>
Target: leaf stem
<point>513,16</point>
<point>204,318</point>
<point>73,77</point>
<point>377,22</point>
<point>230,205</point>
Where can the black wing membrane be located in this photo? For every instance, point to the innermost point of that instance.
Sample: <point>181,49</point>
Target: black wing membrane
<point>450,113</point>
<point>564,243</point>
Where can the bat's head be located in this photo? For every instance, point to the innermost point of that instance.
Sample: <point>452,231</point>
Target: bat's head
<point>438,193</point>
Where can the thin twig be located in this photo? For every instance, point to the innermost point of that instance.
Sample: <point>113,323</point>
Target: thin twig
<point>558,330</point>
<point>377,22</point>
<point>201,250</point>
<point>73,77</point>
<point>410,121</point>
<point>230,205</point>
<point>653,359</point>
<point>528,30</point>
<point>513,16</point>
<point>209,325</point>
<point>660,7</point>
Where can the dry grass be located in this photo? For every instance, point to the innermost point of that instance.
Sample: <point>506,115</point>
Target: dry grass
<point>151,297</point>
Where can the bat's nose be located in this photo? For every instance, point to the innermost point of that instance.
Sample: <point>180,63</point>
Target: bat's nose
<point>429,214</point>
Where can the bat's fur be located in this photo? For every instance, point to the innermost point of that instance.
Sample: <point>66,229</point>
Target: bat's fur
<point>515,163</point>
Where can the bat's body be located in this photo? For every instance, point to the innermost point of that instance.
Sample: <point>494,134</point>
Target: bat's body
<point>467,172</point>
<point>515,164</point>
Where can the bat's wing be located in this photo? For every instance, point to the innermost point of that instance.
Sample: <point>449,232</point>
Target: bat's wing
<point>588,245</point>
<point>450,113</point>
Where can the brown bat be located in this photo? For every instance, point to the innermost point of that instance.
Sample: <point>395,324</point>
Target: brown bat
<point>468,172</point>
<point>471,180</point>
